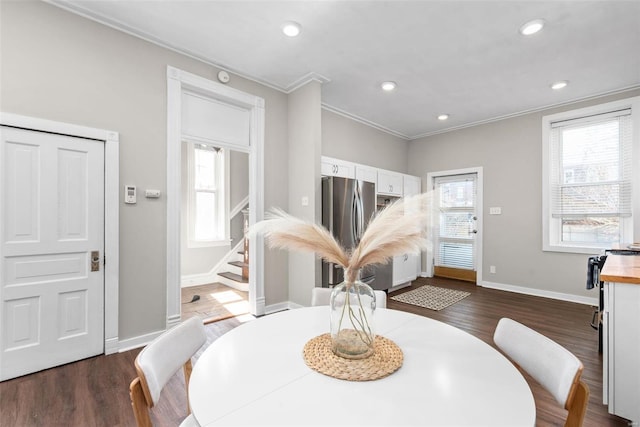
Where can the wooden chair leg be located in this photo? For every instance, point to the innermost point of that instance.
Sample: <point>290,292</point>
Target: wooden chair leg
<point>187,368</point>
<point>578,407</point>
<point>139,404</point>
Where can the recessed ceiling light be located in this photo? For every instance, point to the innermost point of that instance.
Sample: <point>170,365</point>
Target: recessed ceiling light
<point>531,27</point>
<point>291,28</point>
<point>388,86</point>
<point>559,85</point>
<point>443,117</point>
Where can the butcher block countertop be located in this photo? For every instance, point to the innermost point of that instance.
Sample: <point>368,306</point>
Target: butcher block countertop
<point>621,269</point>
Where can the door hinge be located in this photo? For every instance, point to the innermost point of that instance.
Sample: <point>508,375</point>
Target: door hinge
<point>104,260</point>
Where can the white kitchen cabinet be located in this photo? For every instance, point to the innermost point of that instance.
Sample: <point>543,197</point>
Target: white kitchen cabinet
<point>410,185</point>
<point>404,269</point>
<point>367,174</point>
<point>621,347</point>
<point>335,167</point>
<point>390,183</point>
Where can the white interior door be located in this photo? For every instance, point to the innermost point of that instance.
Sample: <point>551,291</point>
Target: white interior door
<point>457,226</point>
<point>52,221</point>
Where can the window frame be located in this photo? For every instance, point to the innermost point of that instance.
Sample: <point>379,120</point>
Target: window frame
<point>222,198</point>
<point>551,226</point>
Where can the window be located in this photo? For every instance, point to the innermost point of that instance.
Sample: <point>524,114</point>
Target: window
<point>588,177</point>
<point>207,205</point>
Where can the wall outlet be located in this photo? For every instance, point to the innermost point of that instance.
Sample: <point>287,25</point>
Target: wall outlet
<point>495,210</point>
<point>492,269</point>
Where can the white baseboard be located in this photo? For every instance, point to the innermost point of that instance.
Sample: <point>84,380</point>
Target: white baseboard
<point>111,346</point>
<point>541,293</point>
<point>137,342</point>
<point>212,275</point>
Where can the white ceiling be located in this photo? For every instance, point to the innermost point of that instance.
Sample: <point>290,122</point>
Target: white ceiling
<point>465,58</point>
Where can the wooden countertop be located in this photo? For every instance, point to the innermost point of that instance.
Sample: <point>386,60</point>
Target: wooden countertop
<point>621,269</point>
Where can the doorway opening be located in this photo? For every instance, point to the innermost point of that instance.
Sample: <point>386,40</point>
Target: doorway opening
<point>214,218</point>
<point>206,112</point>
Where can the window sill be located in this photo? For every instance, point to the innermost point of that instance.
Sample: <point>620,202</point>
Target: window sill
<point>576,249</point>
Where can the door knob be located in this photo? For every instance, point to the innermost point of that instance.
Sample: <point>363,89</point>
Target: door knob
<point>95,260</point>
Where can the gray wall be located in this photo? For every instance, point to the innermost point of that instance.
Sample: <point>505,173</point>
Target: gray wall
<point>346,139</point>
<point>510,152</point>
<point>59,66</point>
<point>304,181</point>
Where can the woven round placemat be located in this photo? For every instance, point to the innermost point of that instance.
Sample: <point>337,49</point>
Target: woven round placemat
<point>385,360</point>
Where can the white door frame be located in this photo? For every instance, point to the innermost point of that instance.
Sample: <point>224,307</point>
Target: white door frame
<point>431,177</point>
<point>111,209</point>
<point>177,81</point>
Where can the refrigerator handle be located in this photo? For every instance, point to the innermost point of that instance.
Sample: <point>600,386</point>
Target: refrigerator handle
<point>355,204</point>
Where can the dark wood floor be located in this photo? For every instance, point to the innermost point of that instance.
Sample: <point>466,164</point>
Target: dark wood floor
<point>94,392</point>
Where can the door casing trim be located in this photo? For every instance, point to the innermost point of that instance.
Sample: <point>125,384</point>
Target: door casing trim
<point>111,140</point>
<point>178,81</point>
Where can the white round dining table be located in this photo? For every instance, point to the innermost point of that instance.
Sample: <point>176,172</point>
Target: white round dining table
<point>255,375</point>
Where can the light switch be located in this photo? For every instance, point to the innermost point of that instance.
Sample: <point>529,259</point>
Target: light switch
<point>152,194</point>
<point>495,211</point>
<point>305,201</point>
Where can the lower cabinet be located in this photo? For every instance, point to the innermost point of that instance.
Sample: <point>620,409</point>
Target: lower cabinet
<point>404,268</point>
<point>621,349</point>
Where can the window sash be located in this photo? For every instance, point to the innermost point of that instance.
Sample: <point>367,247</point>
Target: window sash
<point>207,189</point>
<point>593,187</point>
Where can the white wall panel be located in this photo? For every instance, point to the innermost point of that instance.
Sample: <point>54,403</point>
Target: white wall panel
<point>216,121</point>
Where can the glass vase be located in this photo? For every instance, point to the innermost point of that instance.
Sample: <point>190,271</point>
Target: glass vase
<point>353,304</point>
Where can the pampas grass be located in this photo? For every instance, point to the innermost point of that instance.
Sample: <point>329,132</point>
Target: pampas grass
<point>397,229</point>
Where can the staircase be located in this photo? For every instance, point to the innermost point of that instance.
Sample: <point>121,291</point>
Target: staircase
<point>233,277</point>
<point>237,276</point>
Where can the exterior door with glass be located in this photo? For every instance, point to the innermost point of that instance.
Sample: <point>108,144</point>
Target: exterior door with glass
<point>456,229</point>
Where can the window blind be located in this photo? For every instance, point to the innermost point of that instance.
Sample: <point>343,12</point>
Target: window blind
<point>591,166</point>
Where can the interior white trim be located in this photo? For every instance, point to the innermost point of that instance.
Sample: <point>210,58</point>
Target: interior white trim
<point>309,77</point>
<point>364,121</point>
<point>540,293</point>
<point>239,207</point>
<point>212,275</point>
<point>431,176</point>
<point>177,81</point>
<point>111,208</point>
<point>632,225</point>
<point>525,112</point>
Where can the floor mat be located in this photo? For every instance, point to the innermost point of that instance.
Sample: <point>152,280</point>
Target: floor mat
<point>431,297</point>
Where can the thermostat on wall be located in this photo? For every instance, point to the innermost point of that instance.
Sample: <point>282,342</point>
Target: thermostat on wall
<point>129,193</point>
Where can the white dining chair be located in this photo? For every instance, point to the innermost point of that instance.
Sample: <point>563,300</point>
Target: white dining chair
<point>322,296</point>
<point>553,366</point>
<point>159,361</point>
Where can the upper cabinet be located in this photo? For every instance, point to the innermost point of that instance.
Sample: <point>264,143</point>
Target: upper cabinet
<point>410,185</point>
<point>335,167</point>
<point>366,173</point>
<point>390,183</point>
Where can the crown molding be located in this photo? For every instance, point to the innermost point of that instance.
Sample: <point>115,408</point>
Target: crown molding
<point>525,112</point>
<point>309,77</point>
<point>117,25</point>
<point>364,121</point>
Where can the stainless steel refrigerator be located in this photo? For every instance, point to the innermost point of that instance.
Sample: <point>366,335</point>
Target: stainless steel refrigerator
<point>347,207</point>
